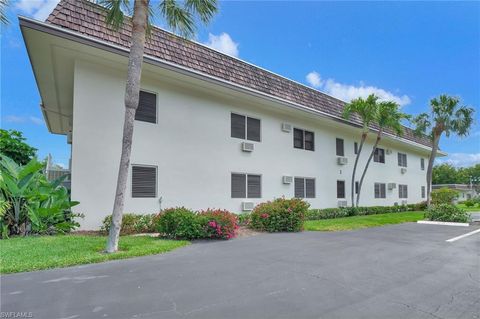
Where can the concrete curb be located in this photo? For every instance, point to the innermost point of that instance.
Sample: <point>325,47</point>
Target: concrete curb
<point>429,222</point>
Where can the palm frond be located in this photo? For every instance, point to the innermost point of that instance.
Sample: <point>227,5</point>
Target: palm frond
<point>178,18</point>
<point>463,121</point>
<point>115,16</point>
<point>204,9</point>
<point>3,11</point>
<point>421,124</point>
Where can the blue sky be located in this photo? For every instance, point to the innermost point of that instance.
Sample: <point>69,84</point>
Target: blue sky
<point>406,51</point>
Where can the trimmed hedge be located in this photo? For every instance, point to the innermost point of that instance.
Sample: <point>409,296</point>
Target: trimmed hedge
<point>447,213</point>
<point>132,224</point>
<point>280,215</point>
<point>330,213</point>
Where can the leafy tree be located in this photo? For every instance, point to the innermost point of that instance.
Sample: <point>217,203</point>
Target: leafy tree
<point>365,109</point>
<point>447,117</point>
<point>12,144</point>
<point>387,116</point>
<point>180,16</point>
<point>445,174</point>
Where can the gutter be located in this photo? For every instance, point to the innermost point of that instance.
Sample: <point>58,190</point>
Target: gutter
<point>116,49</point>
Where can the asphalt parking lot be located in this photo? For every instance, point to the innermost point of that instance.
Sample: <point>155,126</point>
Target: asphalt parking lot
<point>400,271</point>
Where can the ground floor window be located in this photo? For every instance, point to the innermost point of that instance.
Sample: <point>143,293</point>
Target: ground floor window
<point>246,185</point>
<point>340,189</point>
<point>304,187</point>
<point>423,191</point>
<point>144,181</point>
<point>402,191</point>
<point>380,190</point>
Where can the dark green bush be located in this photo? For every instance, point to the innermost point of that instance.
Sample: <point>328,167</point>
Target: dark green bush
<point>132,224</point>
<point>329,213</point>
<point>469,203</point>
<point>181,223</point>
<point>446,213</point>
<point>444,196</point>
<point>280,215</point>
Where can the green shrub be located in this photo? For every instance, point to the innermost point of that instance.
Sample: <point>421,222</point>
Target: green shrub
<point>444,196</point>
<point>330,213</point>
<point>446,213</point>
<point>280,215</point>
<point>181,223</point>
<point>469,203</point>
<point>132,224</point>
<point>244,219</point>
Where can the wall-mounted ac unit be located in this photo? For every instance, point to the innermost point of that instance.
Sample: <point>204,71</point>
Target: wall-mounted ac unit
<point>392,186</point>
<point>286,127</point>
<point>388,151</point>
<point>342,160</point>
<point>403,170</point>
<point>404,202</point>
<point>248,147</point>
<point>247,206</point>
<point>287,179</point>
<point>395,204</point>
<point>342,203</point>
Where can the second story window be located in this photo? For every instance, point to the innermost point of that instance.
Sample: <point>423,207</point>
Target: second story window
<point>402,160</point>
<point>422,164</point>
<point>339,147</point>
<point>245,127</point>
<point>303,139</point>
<point>379,155</point>
<point>147,107</point>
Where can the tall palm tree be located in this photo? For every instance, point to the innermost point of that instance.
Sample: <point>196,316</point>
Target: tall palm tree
<point>3,11</point>
<point>387,116</point>
<point>446,116</point>
<point>365,109</point>
<point>180,16</point>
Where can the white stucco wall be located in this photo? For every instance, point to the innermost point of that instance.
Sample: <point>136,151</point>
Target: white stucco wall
<point>195,155</point>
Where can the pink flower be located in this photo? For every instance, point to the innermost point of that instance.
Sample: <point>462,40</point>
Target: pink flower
<point>264,215</point>
<point>212,224</point>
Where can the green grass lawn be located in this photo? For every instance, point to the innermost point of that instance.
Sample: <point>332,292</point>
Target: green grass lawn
<point>34,253</point>
<point>469,209</point>
<point>356,222</point>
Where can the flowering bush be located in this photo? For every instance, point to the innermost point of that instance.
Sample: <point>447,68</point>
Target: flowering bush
<point>279,215</point>
<point>220,224</point>
<point>180,223</point>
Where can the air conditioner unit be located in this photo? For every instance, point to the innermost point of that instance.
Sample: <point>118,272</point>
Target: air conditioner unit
<point>404,202</point>
<point>69,137</point>
<point>392,186</point>
<point>287,179</point>
<point>286,127</point>
<point>403,170</point>
<point>247,206</point>
<point>248,147</point>
<point>395,204</point>
<point>342,160</point>
<point>342,203</point>
<point>388,151</point>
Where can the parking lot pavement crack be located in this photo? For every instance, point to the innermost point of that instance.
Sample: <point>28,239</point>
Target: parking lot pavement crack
<point>432,314</point>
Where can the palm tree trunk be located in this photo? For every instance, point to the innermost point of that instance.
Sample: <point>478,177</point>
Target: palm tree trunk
<point>364,137</point>
<point>433,154</point>
<point>379,137</point>
<point>132,92</point>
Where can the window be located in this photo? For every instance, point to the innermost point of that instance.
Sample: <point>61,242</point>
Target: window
<point>355,148</point>
<point>402,191</point>
<point>304,187</point>
<point>144,181</point>
<point>379,155</point>
<point>303,139</point>
<point>147,107</point>
<point>380,190</point>
<point>340,150</point>
<point>340,189</point>
<point>245,127</point>
<point>246,185</point>
<point>422,164</point>
<point>357,185</point>
<point>423,191</point>
<point>402,160</point>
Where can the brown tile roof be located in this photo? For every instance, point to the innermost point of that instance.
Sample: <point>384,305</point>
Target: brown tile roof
<point>88,19</point>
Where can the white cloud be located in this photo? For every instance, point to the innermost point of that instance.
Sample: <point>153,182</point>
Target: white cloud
<point>223,43</point>
<point>460,159</point>
<point>23,119</point>
<point>38,9</point>
<point>347,92</point>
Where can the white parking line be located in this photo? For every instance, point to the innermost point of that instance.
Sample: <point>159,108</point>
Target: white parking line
<point>463,236</point>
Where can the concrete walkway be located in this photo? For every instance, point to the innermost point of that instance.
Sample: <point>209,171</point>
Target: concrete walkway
<point>400,271</point>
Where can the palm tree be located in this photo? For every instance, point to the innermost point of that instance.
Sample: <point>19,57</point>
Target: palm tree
<point>387,116</point>
<point>365,109</point>
<point>446,116</point>
<point>3,13</point>
<point>180,16</point>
